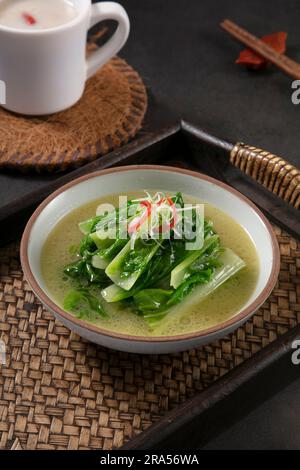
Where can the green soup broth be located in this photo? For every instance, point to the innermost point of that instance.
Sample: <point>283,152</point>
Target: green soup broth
<point>219,306</point>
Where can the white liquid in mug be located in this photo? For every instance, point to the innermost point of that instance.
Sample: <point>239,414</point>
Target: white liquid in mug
<point>36,14</point>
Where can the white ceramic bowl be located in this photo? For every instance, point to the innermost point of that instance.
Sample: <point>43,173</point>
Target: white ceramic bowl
<point>131,178</point>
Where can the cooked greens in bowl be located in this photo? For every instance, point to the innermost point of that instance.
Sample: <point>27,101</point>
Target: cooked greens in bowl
<point>164,296</point>
<point>161,264</point>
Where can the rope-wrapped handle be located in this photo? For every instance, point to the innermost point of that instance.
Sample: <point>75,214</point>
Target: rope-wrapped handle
<point>273,172</point>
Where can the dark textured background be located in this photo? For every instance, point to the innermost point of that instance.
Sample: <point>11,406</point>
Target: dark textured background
<point>188,64</point>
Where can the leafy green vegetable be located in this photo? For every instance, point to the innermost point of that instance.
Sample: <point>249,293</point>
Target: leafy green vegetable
<point>188,285</point>
<point>83,304</point>
<point>101,222</point>
<point>129,264</point>
<point>181,272</point>
<point>211,258</point>
<point>101,242</point>
<point>159,267</point>
<point>88,226</point>
<point>195,289</point>
<point>83,271</point>
<point>153,302</point>
<point>72,300</point>
<point>151,299</point>
<point>103,257</point>
<point>152,276</point>
<point>87,246</point>
<point>178,199</point>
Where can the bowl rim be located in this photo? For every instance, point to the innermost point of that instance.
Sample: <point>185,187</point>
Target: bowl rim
<point>234,320</point>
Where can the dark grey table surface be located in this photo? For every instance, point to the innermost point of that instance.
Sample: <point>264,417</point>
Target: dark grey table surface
<point>188,64</point>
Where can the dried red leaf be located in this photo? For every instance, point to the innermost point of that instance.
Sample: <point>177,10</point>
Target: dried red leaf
<point>251,59</point>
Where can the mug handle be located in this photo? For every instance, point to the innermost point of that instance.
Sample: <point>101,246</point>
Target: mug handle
<point>108,11</point>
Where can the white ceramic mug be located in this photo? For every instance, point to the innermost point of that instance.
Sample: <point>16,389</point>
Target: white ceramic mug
<point>44,71</point>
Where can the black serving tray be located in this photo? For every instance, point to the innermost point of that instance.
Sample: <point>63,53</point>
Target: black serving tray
<point>184,145</point>
<point>229,399</point>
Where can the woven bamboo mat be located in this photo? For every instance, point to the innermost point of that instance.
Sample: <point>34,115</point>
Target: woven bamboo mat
<point>58,391</point>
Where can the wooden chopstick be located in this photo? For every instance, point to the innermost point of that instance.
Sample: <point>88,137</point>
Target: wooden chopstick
<point>287,65</point>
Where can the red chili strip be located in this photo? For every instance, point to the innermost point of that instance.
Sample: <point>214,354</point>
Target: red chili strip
<point>29,19</point>
<point>136,224</point>
<point>174,210</point>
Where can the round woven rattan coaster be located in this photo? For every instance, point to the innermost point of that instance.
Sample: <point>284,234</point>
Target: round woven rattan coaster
<point>58,391</point>
<point>110,112</point>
